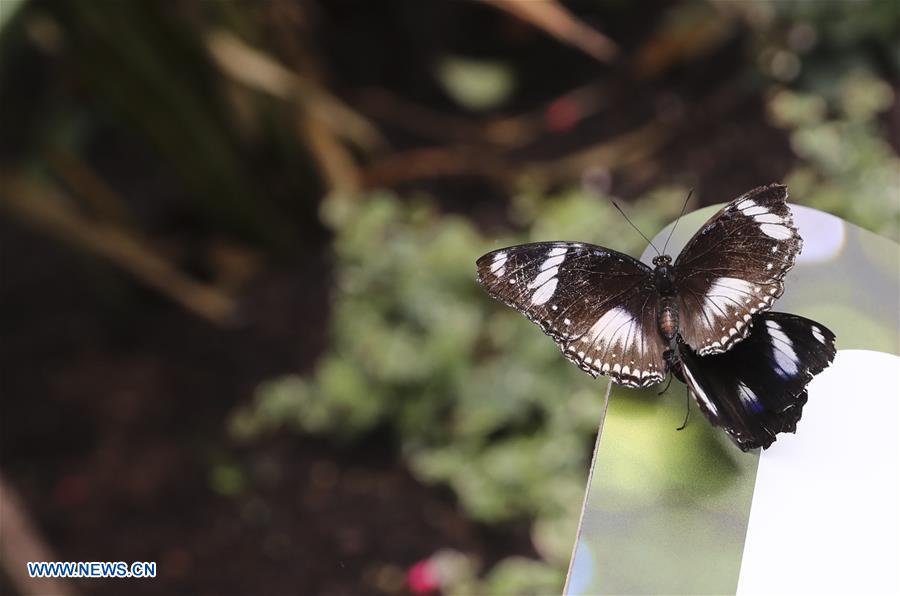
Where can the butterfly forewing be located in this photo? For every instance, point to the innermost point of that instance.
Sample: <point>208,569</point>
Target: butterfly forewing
<point>598,305</point>
<point>758,388</point>
<point>734,267</point>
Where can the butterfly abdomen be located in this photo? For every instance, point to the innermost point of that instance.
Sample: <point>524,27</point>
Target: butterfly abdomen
<point>667,319</point>
<point>667,311</point>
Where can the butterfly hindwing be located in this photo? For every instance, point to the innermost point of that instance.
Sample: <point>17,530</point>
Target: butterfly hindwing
<point>597,304</point>
<point>758,388</point>
<point>734,267</point>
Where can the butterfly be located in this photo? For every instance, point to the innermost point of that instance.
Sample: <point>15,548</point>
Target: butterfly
<point>758,388</point>
<point>612,315</point>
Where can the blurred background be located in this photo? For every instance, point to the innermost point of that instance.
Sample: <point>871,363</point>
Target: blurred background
<point>241,335</point>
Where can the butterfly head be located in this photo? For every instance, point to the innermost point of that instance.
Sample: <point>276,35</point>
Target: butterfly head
<point>663,275</point>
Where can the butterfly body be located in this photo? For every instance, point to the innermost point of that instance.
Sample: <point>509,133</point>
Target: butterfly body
<point>668,318</point>
<point>612,315</point>
<point>667,309</point>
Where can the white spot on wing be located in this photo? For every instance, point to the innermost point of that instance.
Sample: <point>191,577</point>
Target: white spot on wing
<point>769,218</point>
<point>545,292</point>
<point>543,277</point>
<point>613,325</point>
<point>817,333</point>
<point>747,397</point>
<point>614,339</point>
<point>756,211</point>
<point>782,350</point>
<point>698,391</point>
<point>778,232</point>
<point>724,293</point>
<point>498,265</point>
<point>552,262</point>
<point>546,281</point>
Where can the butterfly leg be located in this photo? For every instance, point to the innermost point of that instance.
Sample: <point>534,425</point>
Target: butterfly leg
<point>667,385</point>
<point>687,394</point>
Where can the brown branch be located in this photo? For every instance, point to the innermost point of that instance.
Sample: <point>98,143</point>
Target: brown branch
<point>627,149</point>
<point>336,165</point>
<point>321,117</point>
<point>416,118</point>
<point>46,208</point>
<point>507,132</point>
<point>556,20</point>
<point>434,162</point>
<point>20,543</point>
<point>258,70</point>
<point>92,189</point>
<point>521,129</point>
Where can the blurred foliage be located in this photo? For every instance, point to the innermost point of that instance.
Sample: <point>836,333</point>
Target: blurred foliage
<point>837,36</point>
<point>227,479</point>
<point>846,167</point>
<point>518,575</point>
<point>833,62</point>
<point>476,84</point>
<point>481,401</point>
<point>475,396</point>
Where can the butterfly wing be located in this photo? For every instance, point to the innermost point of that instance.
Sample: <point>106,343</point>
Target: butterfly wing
<point>758,388</point>
<point>597,304</point>
<point>734,267</point>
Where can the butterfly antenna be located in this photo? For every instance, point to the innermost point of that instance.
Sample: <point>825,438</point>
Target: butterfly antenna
<point>634,226</point>
<point>672,231</point>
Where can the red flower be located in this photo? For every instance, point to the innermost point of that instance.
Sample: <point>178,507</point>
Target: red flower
<point>422,579</point>
<point>562,114</point>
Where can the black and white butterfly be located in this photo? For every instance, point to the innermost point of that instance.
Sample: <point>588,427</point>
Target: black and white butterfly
<point>757,389</point>
<point>612,315</point>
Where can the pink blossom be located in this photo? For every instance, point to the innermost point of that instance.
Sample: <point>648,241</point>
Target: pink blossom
<point>422,579</point>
